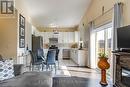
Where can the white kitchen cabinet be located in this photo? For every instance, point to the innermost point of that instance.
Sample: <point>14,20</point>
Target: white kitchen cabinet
<point>76,37</point>
<point>63,37</point>
<point>74,55</point>
<point>79,57</point>
<point>82,57</point>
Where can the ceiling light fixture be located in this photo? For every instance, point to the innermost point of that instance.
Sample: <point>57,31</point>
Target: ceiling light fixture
<point>53,25</point>
<point>55,31</point>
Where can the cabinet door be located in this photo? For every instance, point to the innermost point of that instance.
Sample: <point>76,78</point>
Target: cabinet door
<point>76,36</point>
<point>65,37</point>
<point>71,54</point>
<point>60,37</point>
<point>82,56</point>
<point>76,56</point>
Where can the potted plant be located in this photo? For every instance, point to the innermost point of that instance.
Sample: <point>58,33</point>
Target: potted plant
<point>103,65</point>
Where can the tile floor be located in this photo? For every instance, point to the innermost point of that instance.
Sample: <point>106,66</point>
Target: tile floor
<point>69,68</point>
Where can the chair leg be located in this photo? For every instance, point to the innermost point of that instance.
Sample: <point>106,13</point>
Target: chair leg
<point>58,64</point>
<point>32,67</point>
<point>46,67</point>
<point>55,67</point>
<point>42,67</point>
<point>51,68</point>
<point>39,67</point>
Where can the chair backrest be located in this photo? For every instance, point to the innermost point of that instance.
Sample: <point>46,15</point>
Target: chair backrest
<point>53,47</point>
<point>40,53</point>
<point>57,53</point>
<point>51,56</point>
<point>33,57</point>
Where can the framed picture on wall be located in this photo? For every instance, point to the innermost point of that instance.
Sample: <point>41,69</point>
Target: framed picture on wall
<point>7,7</point>
<point>22,43</point>
<point>21,31</point>
<point>22,21</point>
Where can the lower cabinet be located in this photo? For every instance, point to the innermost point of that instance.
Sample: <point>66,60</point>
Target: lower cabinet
<point>79,57</point>
<point>74,55</point>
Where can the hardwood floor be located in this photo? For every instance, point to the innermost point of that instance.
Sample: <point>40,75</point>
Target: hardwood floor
<point>68,70</point>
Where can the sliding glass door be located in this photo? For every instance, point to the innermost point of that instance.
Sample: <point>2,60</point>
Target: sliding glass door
<point>104,42</point>
<point>100,43</point>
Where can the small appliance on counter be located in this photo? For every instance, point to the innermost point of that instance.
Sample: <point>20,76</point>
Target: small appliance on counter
<point>80,45</point>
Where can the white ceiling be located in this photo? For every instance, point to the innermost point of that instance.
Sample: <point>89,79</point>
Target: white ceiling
<point>60,13</point>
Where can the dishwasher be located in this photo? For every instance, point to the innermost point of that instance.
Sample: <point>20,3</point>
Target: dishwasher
<point>66,54</point>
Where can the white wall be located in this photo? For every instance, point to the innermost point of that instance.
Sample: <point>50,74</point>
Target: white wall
<point>35,31</point>
<point>28,35</point>
<point>21,9</point>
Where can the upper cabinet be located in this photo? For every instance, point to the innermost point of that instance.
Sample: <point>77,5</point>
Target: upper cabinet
<point>63,37</point>
<point>76,36</point>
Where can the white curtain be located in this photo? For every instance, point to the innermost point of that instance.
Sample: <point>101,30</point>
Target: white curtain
<point>91,45</point>
<point>117,22</point>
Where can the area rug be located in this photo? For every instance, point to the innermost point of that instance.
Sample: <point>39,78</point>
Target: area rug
<point>76,82</point>
<point>29,79</point>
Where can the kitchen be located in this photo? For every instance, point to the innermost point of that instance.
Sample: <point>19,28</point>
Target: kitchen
<point>69,42</point>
